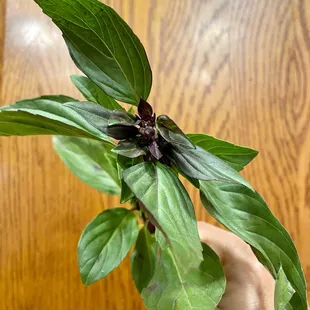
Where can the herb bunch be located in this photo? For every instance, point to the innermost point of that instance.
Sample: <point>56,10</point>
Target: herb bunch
<point>139,156</point>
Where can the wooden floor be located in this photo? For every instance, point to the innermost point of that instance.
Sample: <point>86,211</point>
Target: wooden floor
<point>236,69</point>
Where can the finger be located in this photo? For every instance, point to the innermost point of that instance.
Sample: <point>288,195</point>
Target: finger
<point>249,284</point>
<point>225,244</point>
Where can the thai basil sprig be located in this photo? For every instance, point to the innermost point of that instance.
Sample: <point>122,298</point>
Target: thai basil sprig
<point>139,156</point>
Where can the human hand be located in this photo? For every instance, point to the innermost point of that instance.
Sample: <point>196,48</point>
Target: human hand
<point>249,285</point>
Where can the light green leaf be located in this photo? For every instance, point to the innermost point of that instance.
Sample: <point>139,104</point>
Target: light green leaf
<point>105,242</point>
<point>45,117</point>
<point>246,214</point>
<point>283,292</point>
<point>202,165</point>
<point>91,161</point>
<point>93,93</point>
<point>200,288</point>
<point>103,46</point>
<point>131,110</point>
<point>129,149</point>
<point>236,156</point>
<point>143,259</point>
<point>57,98</point>
<point>169,205</point>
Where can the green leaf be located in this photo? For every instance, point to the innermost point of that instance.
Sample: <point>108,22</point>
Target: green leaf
<point>170,131</point>
<point>283,292</point>
<point>170,207</point>
<point>120,117</point>
<point>126,193</point>
<point>200,288</point>
<point>246,214</point>
<point>91,161</point>
<point>122,164</point>
<point>121,125</point>
<point>126,162</point>
<point>143,259</point>
<point>93,93</point>
<point>103,46</point>
<point>45,117</point>
<point>236,156</point>
<point>131,110</point>
<point>105,242</point>
<point>93,113</point>
<point>202,165</point>
<point>129,149</point>
<point>57,98</point>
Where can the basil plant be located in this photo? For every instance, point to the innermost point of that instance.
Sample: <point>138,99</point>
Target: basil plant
<point>139,156</point>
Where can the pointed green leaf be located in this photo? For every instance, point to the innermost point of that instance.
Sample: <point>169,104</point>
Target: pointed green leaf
<point>126,162</point>
<point>170,131</point>
<point>126,193</point>
<point>246,214</point>
<point>103,46</point>
<point>129,149</point>
<point>202,165</point>
<point>93,93</point>
<point>283,292</point>
<point>122,132</point>
<point>143,259</point>
<point>121,117</point>
<point>121,125</point>
<point>58,98</point>
<point>91,161</point>
<point>236,156</point>
<point>122,164</point>
<point>170,207</point>
<point>131,110</point>
<point>45,117</point>
<point>105,242</point>
<point>200,288</point>
<point>93,113</point>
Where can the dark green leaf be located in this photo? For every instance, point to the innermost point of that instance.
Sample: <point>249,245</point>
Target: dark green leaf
<point>283,292</point>
<point>121,125</point>
<point>143,259</point>
<point>236,156</point>
<point>91,161</point>
<point>169,205</point>
<point>103,46</point>
<point>120,117</point>
<point>122,164</point>
<point>169,130</point>
<point>246,214</point>
<point>129,149</point>
<point>126,162</point>
<point>202,165</point>
<point>171,288</point>
<point>93,113</point>
<point>105,242</point>
<point>45,117</point>
<point>122,132</point>
<point>93,93</point>
<point>126,193</point>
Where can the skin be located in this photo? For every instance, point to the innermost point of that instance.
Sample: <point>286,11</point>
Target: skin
<point>249,284</point>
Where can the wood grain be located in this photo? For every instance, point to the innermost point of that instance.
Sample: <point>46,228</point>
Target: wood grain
<point>236,69</point>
